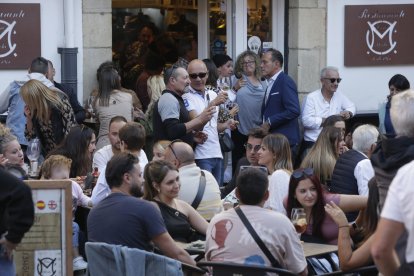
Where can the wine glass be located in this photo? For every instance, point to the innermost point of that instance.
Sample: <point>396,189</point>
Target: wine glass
<point>33,153</point>
<point>90,103</point>
<point>298,218</point>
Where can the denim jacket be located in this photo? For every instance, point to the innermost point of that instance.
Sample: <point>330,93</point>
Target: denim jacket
<point>11,101</point>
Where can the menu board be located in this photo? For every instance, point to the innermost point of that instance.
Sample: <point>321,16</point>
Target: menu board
<point>46,250</point>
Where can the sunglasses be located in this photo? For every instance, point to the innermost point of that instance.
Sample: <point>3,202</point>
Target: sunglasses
<point>338,80</point>
<point>172,149</point>
<point>299,173</point>
<point>168,72</point>
<point>250,147</point>
<point>200,75</point>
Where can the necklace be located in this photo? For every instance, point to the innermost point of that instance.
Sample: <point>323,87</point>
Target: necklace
<point>176,213</point>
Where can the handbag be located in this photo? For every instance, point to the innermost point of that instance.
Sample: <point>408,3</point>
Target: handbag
<point>226,144</point>
<point>256,238</point>
<point>200,191</point>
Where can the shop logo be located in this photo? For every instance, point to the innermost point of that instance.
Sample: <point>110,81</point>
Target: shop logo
<point>7,29</point>
<point>46,267</point>
<point>375,38</point>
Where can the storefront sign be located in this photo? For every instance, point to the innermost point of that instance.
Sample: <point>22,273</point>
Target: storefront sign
<point>19,35</point>
<point>47,249</point>
<point>378,35</point>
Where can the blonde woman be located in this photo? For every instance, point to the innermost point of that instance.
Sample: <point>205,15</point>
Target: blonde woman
<point>10,150</point>
<point>158,150</point>
<point>275,155</point>
<point>324,153</point>
<point>155,86</point>
<point>49,115</point>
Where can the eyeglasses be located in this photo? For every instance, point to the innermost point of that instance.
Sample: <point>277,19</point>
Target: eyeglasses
<point>338,80</point>
<point>172,149</point>
<point>299,173</point>
<point>200,75</point>
<point>250,147</point>
<point>248,62</point>
<point>168,72</point>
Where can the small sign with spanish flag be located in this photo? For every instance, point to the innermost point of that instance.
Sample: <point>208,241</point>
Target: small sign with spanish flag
<point>40,204</point>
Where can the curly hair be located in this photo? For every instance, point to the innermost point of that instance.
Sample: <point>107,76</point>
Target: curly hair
<point>5,137</point>
<point>238,67</point>
<point>52,162</point>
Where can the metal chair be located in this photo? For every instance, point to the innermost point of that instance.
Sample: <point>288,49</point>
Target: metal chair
<point>228,269</point>
<point>364,269</point>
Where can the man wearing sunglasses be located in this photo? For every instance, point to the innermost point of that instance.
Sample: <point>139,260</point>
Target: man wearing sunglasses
<point>171,119</point>
<point>208,154</point>
<point>323,103</point>
<point>252,146</point>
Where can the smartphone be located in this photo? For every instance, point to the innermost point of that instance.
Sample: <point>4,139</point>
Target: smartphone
<point>264,169</point>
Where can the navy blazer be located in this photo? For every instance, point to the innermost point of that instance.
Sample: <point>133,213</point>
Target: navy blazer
<point>282,108</point>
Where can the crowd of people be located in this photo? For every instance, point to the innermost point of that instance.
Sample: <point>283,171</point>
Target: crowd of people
<point>200,144</point>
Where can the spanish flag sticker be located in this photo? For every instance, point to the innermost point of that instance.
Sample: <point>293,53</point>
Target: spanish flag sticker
<point>40,204</point>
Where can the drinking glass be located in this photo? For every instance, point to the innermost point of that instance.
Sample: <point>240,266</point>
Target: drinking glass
<point>33,153</point>
<point>298,218</point>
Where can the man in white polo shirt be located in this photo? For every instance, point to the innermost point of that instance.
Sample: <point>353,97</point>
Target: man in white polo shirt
<point>132,138</point>
<point>208,154</point>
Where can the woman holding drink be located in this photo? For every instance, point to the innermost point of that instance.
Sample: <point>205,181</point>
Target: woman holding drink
<point>249,98</point>
<point>305,191</point>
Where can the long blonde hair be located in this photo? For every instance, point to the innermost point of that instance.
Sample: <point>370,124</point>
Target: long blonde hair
<point>40,99</point>
<point>155,86</point>
<point>322,156</point>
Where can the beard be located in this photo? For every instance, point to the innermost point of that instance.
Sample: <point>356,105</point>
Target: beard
<point>136,191</point>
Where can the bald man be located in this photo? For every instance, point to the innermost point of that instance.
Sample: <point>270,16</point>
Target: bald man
<point>182,156</point>
<point>171,120</point>
<point>208,155</point>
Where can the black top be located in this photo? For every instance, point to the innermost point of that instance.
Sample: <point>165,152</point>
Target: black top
<point>171,129</point>
<point>16,207</point>
<point>79,111</point>
<point>177,224</point>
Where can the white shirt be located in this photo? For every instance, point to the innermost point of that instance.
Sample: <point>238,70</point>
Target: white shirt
<point>315,108</point>
<point>399,204</point>
<point>194,101</point>
<point>270,83</point>
<point>363,173</point>
<point>102,189</point>
<point>278,190</point>
<point>101,157</point>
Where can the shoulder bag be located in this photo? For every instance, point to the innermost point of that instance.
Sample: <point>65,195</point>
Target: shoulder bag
<point>200,192</point>
<point>256,238</point>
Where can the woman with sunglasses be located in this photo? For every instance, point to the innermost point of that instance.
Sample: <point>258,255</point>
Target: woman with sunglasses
<point>305,191</point>
<point>162,185</point>
<point>78,146</point>
<point>249,98</point>
<point>324,153</point>
<point>275,154</point>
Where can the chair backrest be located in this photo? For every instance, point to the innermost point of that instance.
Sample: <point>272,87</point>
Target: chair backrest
<point>228,269</point>
<point>109,259</point>
<point>372,269</point>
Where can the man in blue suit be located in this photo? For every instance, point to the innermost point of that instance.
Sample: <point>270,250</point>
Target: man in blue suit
<point>280,108</point>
